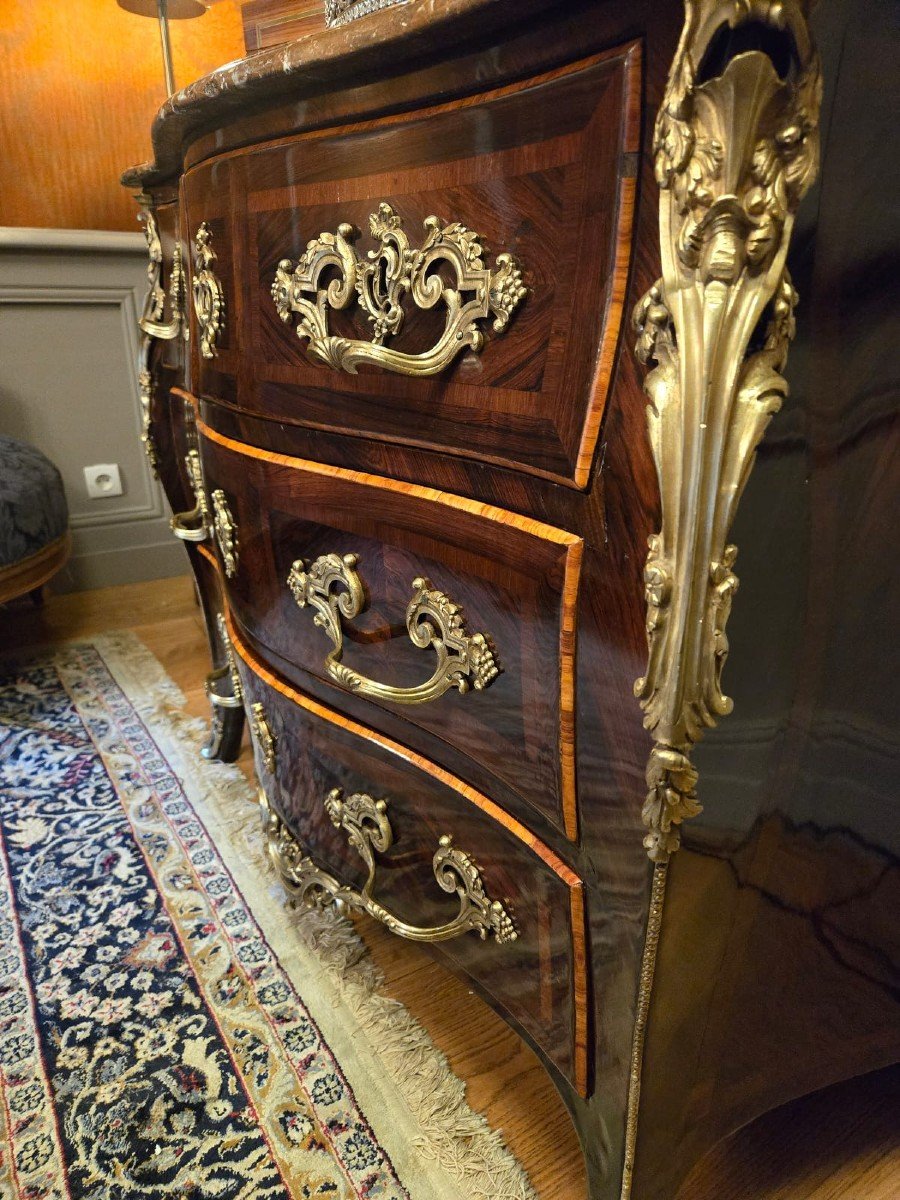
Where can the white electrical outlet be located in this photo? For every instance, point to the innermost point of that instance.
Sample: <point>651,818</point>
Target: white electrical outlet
<point>102,480</point>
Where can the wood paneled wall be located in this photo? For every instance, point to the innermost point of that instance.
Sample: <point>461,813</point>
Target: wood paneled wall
<point>79,87</point>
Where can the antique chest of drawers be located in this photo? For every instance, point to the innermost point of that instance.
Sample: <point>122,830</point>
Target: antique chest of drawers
<point>391,394</point>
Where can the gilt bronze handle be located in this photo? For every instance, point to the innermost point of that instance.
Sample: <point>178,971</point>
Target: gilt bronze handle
<point>221,699</point>
<point>151,320</point>
<point>264,737</point>
<point>226,532</point>
<point>381,281</point>
<point>229,671</point>
<point>333,587</point>
<point>365,822</point>
<point>208,293</point>
<point>193,525</point>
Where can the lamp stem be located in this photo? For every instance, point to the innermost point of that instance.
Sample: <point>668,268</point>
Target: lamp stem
<point>161,8</point>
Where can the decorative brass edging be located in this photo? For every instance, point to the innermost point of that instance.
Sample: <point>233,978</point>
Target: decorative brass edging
<point>194,525</point>
<point>639,1034</point>
<point>381,282</point>
<point>368,830</point>
<point>226,532</point>
<point>734,154</point>
<point>333,587</point>
<point>209,297</point>
<point>265,739</point>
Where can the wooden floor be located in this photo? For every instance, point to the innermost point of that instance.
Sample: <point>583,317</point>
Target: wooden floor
<point>840,1144</point>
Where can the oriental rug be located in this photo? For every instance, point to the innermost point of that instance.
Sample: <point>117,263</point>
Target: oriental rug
<point>167,1029</point>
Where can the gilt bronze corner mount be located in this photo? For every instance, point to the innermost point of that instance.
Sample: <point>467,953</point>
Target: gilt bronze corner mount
<point>736,147</point>
<point>734,154</point>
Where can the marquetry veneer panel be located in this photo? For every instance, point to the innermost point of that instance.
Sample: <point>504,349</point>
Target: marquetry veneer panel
<point>540,978</point>
<point>516,579</point>
<point>552,183</point>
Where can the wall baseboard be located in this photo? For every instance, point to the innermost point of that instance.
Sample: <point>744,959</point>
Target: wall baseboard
<point>125,564</point>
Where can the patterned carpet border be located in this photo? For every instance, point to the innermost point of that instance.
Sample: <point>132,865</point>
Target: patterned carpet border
<point>295,999</point>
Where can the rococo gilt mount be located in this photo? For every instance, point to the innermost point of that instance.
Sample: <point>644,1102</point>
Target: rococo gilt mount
<point>734,154</point>
<point>380,283</point>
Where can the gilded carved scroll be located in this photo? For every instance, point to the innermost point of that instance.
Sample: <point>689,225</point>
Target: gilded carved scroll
<point>736,147</point>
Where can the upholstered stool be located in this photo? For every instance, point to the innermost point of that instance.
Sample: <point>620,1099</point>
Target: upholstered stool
<point>34,520</point>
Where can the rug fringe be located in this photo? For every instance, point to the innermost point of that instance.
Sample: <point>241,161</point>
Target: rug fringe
<point>453,1135</point>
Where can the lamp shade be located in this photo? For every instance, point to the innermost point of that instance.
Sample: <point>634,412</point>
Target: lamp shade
<point>176,10</point>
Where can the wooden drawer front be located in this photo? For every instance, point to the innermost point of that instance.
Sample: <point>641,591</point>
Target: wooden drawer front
<point>514,579</point>
<point>540,170</point>
<point>539,976</point>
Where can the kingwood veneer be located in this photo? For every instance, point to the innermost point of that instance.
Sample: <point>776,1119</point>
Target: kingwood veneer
<point>420,528</point>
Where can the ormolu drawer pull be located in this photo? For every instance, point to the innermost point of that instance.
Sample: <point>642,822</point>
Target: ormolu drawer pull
<point>333,587</point>
<point>381,282</point>
<point>216,698</point>
<point>209,298</point>
<point>226,532</point>
<point>368,830</point>
<point>194,525</point>
<point>265,738</point>
<point>151,320</point>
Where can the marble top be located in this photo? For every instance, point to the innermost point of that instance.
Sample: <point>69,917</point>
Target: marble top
<point>389,41</point>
